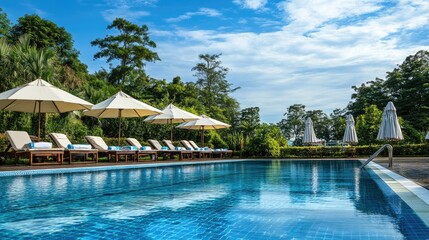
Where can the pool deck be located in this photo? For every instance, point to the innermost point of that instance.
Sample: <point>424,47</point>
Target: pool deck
<point>415,169</point>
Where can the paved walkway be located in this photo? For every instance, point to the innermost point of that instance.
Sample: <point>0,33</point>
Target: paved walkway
<point>415,169</point>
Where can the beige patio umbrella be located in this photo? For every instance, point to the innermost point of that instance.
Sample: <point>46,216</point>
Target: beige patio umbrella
<point>120,106</point>
<point>350,135</point>
<point>204,123</point>
<point>309,134</point>
<point>41,97</point>
<point>171,114</point>
<point>389,127</point>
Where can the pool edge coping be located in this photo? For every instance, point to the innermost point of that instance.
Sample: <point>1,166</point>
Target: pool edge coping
<point>392,179</point>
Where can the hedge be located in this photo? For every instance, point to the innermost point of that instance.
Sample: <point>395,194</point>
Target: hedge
<point>409,150</point>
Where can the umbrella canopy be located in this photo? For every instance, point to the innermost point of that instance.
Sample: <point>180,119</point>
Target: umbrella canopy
<point>171,114</point>
<point>390,128</point>
<point>121,105</point>
<point>41,97</point>
<point>350,132</point>
<point>202,124</point>
<point>309,134</point>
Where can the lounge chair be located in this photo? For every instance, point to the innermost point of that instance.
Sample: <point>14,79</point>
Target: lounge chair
<point>142,150</point>
<point>110,151</point>
<point>190,152</point>
<point>219,152</point>
<point>201,153</point>
<point>74,150</point>
<point>22,145</point>
<point>166,151</point>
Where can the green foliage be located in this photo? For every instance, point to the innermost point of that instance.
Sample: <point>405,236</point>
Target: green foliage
<point>367,125</point>
<point>266,141</point>
<point>294,123</point>
<point>406,150</point>
<point>5,24</point>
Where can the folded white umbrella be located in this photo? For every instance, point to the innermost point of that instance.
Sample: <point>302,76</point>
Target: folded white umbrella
<point>389,127</point>
<point>427,136</point>
<point>41,97</point>
<point>203,123</point>
<point>121,105</point>
<point>171,114</point>
<point>309,134</point>
<point>350,135</point>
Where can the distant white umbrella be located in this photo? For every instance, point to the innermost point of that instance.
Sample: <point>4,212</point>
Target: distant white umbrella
<point>427,136</point>
<point>40,96</point>
<point>390,128</point>
<point>121,105</point>
<point>171,114</point>
<point>350,132</point>
<point>309,134</point>
<point>203,123</point>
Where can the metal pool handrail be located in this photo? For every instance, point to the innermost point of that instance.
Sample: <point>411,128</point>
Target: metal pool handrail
<point>390,151</point>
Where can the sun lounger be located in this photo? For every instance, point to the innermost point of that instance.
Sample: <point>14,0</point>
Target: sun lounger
<point>216,152</point>
<point>143,150</point>
<point>190,152</point>
<point>166,151</point>
<point>201,153</point>
<point>22,145</point>
<point>111,151</point>
<point>75,150</point>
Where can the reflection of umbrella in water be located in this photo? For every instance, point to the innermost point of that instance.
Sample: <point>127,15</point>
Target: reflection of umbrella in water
<point>120,106</point>
<point>390,128</point>
<point>171,114</point>
<point>350,132</point>
<point>41,97</point>
<point>203,123</point>
<point>309,134</point>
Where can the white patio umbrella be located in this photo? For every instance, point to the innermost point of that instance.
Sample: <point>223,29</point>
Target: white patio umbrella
<point>427,136</point>
<point>41,97</point>
<point>171,114</point>
<point>204,123</point>
<point>121,105</point>
<point>309,134</point>
<point>350,132</point>
<point>390,128</point>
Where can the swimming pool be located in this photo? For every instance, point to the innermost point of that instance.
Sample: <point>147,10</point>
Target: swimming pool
<point>234,200</point>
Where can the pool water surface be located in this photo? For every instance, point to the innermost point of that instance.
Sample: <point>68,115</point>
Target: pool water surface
<point>237,200</point>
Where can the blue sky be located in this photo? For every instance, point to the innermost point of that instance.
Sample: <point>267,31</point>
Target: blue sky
<point>279,52</point>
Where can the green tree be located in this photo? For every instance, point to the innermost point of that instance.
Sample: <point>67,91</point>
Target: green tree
<point>249,121</point>
<point>131,47</point>
<point>5,24</point>
<point>338,123</point>
<point>408,88</point>
<point>214,88</point>
<point>367,125</point>
<point>294,123</point>
<point>45,34</point>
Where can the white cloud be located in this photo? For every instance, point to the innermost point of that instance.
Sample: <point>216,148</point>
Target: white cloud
<point>313,61</point>
<point>126,9</point>
<point>201,12</point>
<point>251,4</point>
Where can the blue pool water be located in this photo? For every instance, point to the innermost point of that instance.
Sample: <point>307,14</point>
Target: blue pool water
<point>239,200</point>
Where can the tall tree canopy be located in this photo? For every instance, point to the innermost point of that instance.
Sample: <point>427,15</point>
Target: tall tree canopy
<point>5,24</point>
<point>131,47</point>
<point>293,125</point>
<point>214,88</point>
<point>45,34</point>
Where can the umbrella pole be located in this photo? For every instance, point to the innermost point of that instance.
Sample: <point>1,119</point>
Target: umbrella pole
<point>40,119</point>
<point>119,132</point>
<point>171,130</point>
<point>202,137</point>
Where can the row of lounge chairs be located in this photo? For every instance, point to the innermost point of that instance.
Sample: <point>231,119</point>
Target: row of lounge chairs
<point>22,145</point>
